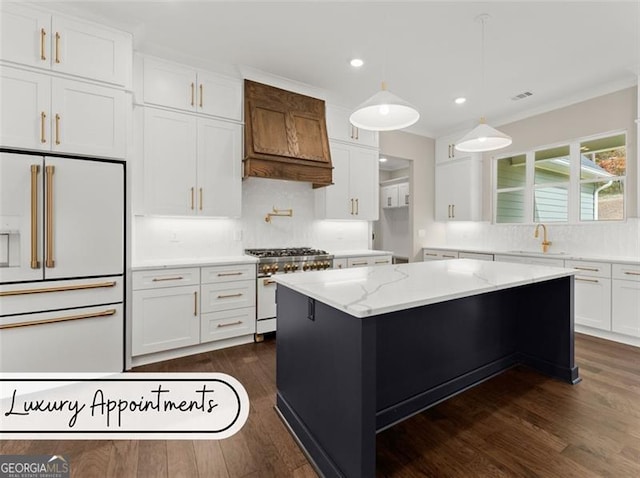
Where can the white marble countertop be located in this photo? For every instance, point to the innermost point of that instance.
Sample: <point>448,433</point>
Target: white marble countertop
<point>359,253</point>
<point>551,255</point>
<point>368,291</point>
<point>191,262</point>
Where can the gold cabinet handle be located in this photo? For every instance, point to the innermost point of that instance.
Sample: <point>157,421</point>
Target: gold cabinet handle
<point>195,304</point>
<point>49,261</point>
<point>430,254</point>
<point>192,198</point>
<point>43,117</point>
<point>449,211</point>
<point>453,150</point>
<point>43,35</point>
<point>352,206</point>
<point>63,288</point>
<point>589,269</point>
<point>268,282</point>
<point>453,211</point>
<point>57,47</point>
<point>357,207</point>
<point>201,94</point>
<point>162,279</point>
<point>629,273</point>
<point>229,296</point>
<point>225,274</point>
<point>57,128</point>
<point>237,322</point>
<point>386,261</point>
<point>35,263</point>
<point>359,263</point>
<point>406,199</point>
<point>582,279</point>
<point>193,94</point>
<point>357,133</point>
<point>104,313</point>
<point>201,199</point>
<point>449,257</point>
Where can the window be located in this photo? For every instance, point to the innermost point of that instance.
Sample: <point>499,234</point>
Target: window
<point>576,182</point>
<point>603,166</point>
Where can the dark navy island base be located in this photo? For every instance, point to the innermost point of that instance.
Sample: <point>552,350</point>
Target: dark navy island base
<point>341,379</point>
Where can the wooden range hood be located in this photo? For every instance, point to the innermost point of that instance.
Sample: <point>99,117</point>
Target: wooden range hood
<point>285,136</point>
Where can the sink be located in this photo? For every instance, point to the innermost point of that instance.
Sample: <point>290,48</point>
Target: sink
<point>538,253</point>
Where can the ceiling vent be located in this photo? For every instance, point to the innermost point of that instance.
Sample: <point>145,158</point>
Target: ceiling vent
<point>521,96</point>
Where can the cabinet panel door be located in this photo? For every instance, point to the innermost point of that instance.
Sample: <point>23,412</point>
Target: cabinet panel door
<point>169,163</point>
<point>164,319</point>
<point>25,102</point>
<point>458,190</point>
<point>363,183</point>
<point>87,218</point>
<point>228,323</point>
<point>228,295</point>
<point>444,183</point>
<point>169,85</point>
<point>219,168</point>
<point>25,35</point>
<point>389,196</point>
<point>219,96</point>
<point>593,302</point>
<point>88,50</point>
<point>15,217</point>
<point>403,194</point>
<point>88,119</point>
<point>625,317</point>
<point>338,201</point>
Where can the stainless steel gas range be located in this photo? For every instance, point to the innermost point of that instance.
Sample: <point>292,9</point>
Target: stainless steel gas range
<point>281,261</point>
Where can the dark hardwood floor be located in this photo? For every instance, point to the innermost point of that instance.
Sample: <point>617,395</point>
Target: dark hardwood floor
<point>517,424</point>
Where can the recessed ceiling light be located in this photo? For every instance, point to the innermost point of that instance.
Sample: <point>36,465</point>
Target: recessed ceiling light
<point>357,62</point>
<point>460,100</point>
<point>383,160</point>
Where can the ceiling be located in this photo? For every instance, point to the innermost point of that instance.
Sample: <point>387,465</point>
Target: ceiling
<point>428,52</point>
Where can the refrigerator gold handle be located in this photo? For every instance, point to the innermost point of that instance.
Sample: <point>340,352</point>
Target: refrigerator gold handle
<point>57,47</point>
<point>57,128</point>
<point>35,263</point>
<point>104,313</point>
<point>64,288</point>
<point>43,35</point>
<point>49,261</point>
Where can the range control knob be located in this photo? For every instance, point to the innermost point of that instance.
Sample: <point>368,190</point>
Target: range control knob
<point>294,267</point>
<point>274,268</point>
<point>305,267</point>
<point>326,265</point>
<point>265,269</point>
<point>287,268</point>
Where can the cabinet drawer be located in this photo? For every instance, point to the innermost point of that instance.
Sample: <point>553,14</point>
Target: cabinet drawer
<point>88,339</point>
<point>626,272</point>
<point>228,273</point>
<point>381,260</point>
<point>159,278</point>
<point>228,295</point>
<point>591,269</point>
<point>475,255</point>
<point>227,323</point>
<point>359,262</point>
<point>41,296</point>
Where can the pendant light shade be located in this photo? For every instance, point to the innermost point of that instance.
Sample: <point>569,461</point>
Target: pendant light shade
<point>384,111</point>
<point>483,138</point>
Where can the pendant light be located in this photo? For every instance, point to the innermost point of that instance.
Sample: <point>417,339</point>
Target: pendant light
<point>483,137</point>
<point>384,111</point>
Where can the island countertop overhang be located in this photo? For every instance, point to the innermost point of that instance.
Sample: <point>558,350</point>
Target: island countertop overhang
<point>369,291</point>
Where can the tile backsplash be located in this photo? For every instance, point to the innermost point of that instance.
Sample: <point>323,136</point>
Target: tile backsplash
<point>175,238</point>
<point>597,239</point>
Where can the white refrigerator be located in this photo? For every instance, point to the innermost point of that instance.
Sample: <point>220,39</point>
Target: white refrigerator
<point>61,264</point>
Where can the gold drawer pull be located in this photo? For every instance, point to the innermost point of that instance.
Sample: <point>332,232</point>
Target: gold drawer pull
<point>225,274</point>
<point>589,269</point>
<point>104,313</point>
<point>430,254</point>
<point>229,296</point>
<point>629,273</point>
<point>582,279</point>
<point>449,257</point>
<point>386,261</point>
<point>238,322</point>
<point>359,263</point>
<point>268,281</point>
<point>161,279</point>
<point>64,288</point>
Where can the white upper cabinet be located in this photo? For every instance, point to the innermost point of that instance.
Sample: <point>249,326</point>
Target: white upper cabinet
<point>339,128</point>
<point>403,194</point>
<point>394,193</point>
<point>177,86</point>
<point>354,192</point>
<point>191,165</point>
<point>36,38</point>
<point>54,114</point>
<point>458,188</point>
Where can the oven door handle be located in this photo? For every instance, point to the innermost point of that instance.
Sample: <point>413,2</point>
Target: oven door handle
<point>268,281</point>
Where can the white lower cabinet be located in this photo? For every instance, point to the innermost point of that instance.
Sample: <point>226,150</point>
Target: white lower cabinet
<point>174,308</point>
<point>367,261</point>
<point>438,255</point>
<point>625,314</point>
<point>592,293</point>
<point>165,318</point>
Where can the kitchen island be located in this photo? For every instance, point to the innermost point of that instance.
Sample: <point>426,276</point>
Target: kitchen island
<point>359,350</point>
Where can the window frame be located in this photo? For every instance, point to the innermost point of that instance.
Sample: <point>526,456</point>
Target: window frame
<point>573,185</point>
